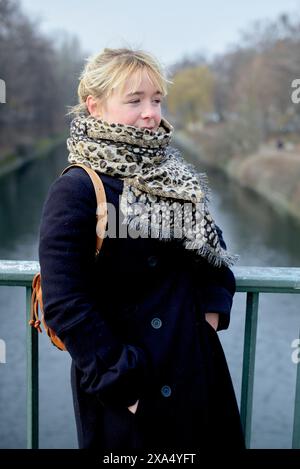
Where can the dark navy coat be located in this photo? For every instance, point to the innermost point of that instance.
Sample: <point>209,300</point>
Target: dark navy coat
<point>134,324</point>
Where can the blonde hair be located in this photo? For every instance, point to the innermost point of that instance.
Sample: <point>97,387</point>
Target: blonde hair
<point>110,69</point>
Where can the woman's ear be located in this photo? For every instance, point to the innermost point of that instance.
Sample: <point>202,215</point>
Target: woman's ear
<point>93,106</point>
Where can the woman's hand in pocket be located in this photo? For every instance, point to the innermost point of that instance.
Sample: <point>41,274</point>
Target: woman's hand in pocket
<point>133,407</point>
<point>213,319</point>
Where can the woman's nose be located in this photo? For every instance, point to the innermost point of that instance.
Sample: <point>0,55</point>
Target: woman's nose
<point>148,111</point>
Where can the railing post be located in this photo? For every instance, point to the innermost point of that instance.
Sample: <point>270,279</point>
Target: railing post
<point>296,425</point>
<point>248,364</point>
<point>32,411</point>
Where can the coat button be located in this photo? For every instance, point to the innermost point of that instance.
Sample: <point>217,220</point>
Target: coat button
<point>156,323</point>
<point>152,261</point>
<point>166,391</point>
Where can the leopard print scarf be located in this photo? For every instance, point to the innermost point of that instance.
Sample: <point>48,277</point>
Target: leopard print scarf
<point>163,196</point>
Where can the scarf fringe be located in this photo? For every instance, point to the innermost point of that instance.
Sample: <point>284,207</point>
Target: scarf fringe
<point>217,260</point>
<point>155,231</point>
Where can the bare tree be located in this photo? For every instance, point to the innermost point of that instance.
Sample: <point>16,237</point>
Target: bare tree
<point>40,76</point>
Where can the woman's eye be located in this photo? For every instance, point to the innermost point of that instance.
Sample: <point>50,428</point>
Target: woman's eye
<point>158,101</point>
<point>134,102</point>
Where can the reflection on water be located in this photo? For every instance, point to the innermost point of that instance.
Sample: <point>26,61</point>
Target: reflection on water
<point>251,229</point>
<point>21,198</point>
<point>254,226</point>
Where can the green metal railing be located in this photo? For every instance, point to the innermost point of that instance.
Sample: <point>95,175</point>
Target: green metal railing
<point>251,280</point>
<point>20,274</point>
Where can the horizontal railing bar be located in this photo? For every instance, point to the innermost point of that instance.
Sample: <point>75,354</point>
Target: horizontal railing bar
<point>17,273</point>
<point>268,279</point>
<point>248,279</point>
<point>263,289</point>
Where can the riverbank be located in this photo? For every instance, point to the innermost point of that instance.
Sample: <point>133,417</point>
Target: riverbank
<point>271,173</point>
<point>13,161</point>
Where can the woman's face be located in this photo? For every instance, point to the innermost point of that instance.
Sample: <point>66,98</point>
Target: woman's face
<point>141,109</point>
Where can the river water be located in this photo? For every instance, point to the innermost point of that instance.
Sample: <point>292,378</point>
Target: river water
<point>250,227</point>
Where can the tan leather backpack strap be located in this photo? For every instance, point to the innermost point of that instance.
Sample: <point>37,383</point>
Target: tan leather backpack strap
<point>101,213</point>
<point>35,300</point>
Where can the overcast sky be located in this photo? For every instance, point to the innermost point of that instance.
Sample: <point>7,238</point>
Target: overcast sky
<point>167,28</point>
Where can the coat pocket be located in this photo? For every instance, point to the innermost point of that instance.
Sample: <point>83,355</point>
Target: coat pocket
<point>121,429</point>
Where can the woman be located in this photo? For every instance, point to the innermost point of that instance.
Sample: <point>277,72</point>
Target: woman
<point>148,370</point>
